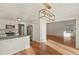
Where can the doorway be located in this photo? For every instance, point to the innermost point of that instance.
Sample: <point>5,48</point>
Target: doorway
<point>63,32</point>
<point>30,31</point>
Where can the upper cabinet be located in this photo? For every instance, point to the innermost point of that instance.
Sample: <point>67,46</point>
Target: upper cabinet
<point>4,22</point>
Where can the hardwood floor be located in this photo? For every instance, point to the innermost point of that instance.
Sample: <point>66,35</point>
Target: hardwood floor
<point>39,49</point>
<point>54,46</point>
<point>64,49</point>
<point>60,39</point>
<point>43,49</point>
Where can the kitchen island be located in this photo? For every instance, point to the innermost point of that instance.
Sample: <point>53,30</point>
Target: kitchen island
<point>13,44</point>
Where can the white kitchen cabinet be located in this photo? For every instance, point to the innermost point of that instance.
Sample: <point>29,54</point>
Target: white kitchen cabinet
<point>14,45</point>
<point>5,22</point>
<point>2,24</point>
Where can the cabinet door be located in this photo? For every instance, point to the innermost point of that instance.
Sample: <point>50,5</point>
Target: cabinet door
<point>16,25</point>
<point>2,24</point>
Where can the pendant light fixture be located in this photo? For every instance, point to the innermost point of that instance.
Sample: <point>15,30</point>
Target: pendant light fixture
<point>47,6</point>
<point>45,12</point>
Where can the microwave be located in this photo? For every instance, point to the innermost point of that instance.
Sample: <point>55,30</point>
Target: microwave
<point>10,26</point>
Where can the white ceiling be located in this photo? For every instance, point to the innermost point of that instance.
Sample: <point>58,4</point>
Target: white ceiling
<point>65,9</point>
<point>22,10</point>
<point>29,11</point>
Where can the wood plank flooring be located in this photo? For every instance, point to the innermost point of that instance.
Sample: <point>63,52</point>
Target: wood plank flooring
<point>39,49</point>
<point>54,46</point>
<point>60,39</point>
<point>64,49</point>
<point>43,49</point>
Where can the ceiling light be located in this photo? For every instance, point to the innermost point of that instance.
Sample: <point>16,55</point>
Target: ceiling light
<point>19,19</point>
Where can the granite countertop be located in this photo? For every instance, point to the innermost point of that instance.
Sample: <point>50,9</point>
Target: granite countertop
<point>10,37</point>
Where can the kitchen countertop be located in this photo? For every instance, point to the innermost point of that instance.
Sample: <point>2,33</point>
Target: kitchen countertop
<point>10,37</point>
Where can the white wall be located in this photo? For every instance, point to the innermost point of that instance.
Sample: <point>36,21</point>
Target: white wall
<point>39,30</point>
<point>36,29</point>
<point>43,30</point>
<point>77,32</point>
<point>58,28</point>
